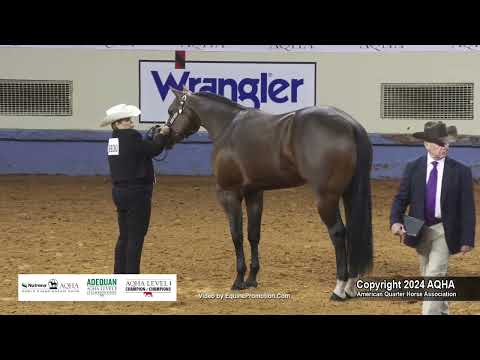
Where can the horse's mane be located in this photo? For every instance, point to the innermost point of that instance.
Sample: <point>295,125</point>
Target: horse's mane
<point>221,99</point>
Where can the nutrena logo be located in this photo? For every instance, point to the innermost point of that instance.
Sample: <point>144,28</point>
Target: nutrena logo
<point>274,87</point>
<point>260,89</point>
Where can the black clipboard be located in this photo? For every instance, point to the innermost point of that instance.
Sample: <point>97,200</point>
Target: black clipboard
<point>413,226</point>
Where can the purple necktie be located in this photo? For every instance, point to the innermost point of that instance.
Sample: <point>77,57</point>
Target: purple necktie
<point>431,195</point>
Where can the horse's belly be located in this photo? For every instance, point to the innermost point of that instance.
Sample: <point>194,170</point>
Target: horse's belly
<point>236,173</point>
<point>233,178</point>
<point>268,178</point>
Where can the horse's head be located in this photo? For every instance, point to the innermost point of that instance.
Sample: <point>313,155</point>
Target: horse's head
<point>183,122</point>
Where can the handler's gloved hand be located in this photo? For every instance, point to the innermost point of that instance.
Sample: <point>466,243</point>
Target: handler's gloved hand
<point>165,130</point>
<point>150,134</point>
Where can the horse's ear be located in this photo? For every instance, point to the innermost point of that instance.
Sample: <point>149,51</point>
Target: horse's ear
<point>186,91</point>
<point>178,94</point>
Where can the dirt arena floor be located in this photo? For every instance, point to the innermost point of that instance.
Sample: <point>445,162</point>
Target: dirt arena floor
<point>67,225</point>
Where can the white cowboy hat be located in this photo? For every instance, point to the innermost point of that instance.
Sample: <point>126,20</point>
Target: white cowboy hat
<point>117,112</point>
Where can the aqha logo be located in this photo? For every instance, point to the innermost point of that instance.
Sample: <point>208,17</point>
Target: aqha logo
<point>69,286</point>
<point>53,284</point>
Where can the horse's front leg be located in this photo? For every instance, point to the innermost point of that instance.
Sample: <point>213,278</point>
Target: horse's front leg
<point>231,202</point>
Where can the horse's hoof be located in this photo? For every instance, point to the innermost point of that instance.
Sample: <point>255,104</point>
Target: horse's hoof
<point>251,284</point>
<point>335,297</point>
<point>240,286</point>
<point>349,296</point>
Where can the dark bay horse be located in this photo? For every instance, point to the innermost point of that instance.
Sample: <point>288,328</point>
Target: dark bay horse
<point>254,151</point>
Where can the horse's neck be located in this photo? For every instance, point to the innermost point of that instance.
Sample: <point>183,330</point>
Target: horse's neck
<point>216,118</point>
<point>216,124</point>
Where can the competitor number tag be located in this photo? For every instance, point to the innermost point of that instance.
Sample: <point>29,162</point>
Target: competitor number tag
<point>113,146</point>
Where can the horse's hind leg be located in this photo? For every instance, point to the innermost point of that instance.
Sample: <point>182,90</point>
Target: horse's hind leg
<point>232,204</point>
<point>328,208</point>
<point>254,202</point>
<point>351,287</point>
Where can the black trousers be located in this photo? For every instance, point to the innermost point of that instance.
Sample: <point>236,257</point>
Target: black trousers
<point>134,203</point>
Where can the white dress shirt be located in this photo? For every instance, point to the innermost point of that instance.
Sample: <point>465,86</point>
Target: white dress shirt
<point>440,167</point>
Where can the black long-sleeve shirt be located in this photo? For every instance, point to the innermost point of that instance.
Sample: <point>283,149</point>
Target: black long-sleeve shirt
<point>130,157</point>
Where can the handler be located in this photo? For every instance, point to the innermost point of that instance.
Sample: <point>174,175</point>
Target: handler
<point>131,169</point>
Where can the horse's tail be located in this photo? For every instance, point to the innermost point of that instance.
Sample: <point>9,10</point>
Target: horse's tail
<point>358,206</point>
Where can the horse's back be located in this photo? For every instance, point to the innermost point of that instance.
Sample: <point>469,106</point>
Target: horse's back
<point>324,146</point>
<point>328,118</point>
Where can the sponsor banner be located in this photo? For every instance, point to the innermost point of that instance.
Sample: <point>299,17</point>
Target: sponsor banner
<point>276,87</point>
<point>272,48</point>
<point>72,287</point>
